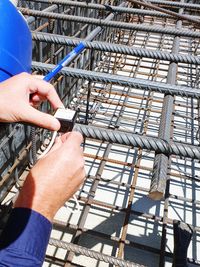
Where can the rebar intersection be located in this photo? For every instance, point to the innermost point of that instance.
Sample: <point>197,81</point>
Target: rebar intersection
<point>136,87</point>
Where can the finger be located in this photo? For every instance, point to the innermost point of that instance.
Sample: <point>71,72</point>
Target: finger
<point>41,119</point>
<point>64,136</point>
<point>37,98</point>
<point>74,138</point>
<point>58,140</point>
<point>46,90</point>
<point>58,143</point>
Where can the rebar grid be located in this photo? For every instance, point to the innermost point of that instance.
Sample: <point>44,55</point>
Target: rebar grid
<point>118,85</point>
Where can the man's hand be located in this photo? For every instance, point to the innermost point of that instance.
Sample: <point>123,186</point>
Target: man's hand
<point>55,177</point>
<point>20,94</point>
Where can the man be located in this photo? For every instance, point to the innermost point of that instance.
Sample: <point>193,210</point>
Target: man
<point>50,183</point>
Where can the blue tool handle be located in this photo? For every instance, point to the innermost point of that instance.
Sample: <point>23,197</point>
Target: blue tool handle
<point>67,59</point>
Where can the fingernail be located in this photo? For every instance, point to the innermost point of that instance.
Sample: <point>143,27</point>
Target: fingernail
<point>61,106</point>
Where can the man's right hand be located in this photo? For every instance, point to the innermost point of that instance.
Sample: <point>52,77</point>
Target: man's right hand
<point>55,177</point>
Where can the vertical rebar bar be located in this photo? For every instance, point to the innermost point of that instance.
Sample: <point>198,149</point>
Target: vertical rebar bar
<point>125,87</point>
<point>159,176</point>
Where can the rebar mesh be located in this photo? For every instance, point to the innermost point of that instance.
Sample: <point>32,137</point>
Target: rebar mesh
<point>139,78</point>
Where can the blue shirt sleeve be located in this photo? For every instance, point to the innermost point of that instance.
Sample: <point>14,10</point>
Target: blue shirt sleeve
<point>25,238</point>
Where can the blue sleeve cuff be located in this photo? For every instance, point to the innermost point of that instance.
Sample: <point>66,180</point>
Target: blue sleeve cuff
<point>27,235</point>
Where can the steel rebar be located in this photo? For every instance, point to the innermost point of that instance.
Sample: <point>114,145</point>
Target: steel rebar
<point>176,4</point>
<point>123,91</point>
<point>115,24</point>
<point>166,11</point>
<point>106,7</point>
<point>159,176</point>
<point>144,142</point>
<point>91,253</point>
<point>116,48</point>
<point>121,80</point>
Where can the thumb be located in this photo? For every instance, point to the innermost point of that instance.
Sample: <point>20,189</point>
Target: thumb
<point>74,138</point>
<point>41,119</point>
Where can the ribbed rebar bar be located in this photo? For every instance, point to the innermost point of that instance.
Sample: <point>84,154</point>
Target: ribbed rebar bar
<point>10,135</point>
<point>92,254</point>
<point>161,161</point>
<point>116,48</point>
<point>104,7</point>
<point>135,140</point>
<point>34,145</point>
<point>110,8</point>
<point>196,21</point>
<point>114,24</point>
<point>176,4</point>
<point>52,8</point>
<point>135,118</point>
<point>121,80</point>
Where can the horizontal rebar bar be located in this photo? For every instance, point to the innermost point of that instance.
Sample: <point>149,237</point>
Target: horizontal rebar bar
<point>176,4</point>
<point>116,48</point>
<point>110,8</point>
<point>115,24</point>
<point>196,21</point>
<point>120,80</point>
<point>52,8</point>
<point>140,141</point>
<point>144,215</point>
<point>91,253</point>
<point>138,188</point>
<point>135,65</point>
<point>60,226</point>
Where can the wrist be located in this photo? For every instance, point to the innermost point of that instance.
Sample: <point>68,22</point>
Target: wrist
<point>31,199</point>
<point>46,212</point>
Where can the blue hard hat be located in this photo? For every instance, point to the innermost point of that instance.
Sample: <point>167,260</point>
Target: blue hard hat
<point>15,41</point>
